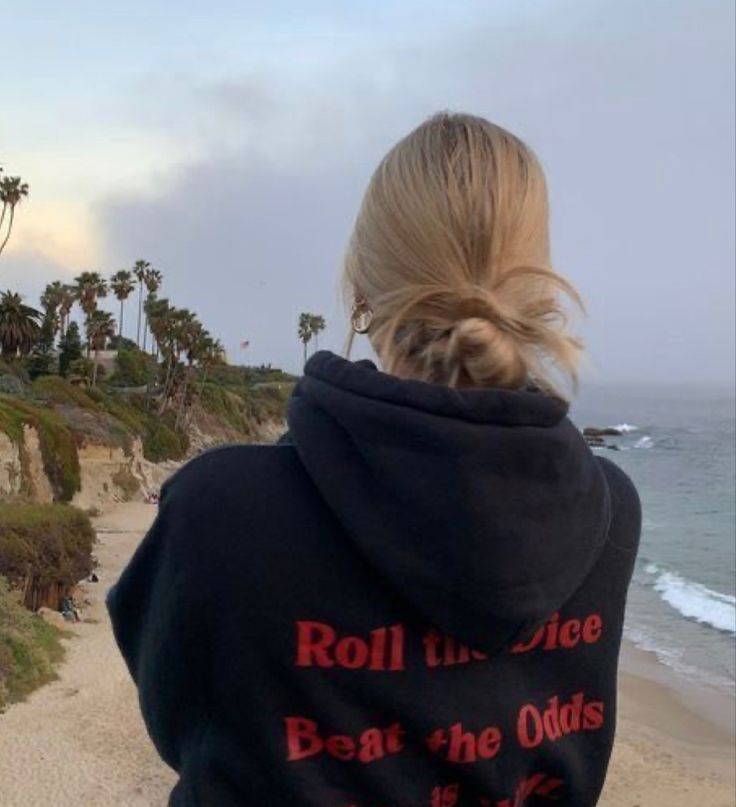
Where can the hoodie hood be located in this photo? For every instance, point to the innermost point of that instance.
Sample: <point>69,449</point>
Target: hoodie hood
<point>484,509</point>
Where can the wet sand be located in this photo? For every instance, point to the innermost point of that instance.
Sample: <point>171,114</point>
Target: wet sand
<point>80,740</point>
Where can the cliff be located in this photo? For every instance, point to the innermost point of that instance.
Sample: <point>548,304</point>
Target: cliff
<point>89,447</point>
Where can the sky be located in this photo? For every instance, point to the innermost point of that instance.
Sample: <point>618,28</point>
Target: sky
<point>229,144</point>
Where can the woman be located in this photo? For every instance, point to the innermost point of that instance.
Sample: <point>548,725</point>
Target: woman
<point>414,599</point>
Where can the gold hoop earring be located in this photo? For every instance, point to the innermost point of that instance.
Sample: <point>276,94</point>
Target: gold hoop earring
<point>361,315</point>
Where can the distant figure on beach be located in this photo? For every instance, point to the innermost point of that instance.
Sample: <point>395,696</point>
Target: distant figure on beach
<point>416,597</point>
<point>69,609</point>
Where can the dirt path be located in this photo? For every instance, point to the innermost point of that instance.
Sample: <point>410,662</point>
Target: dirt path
<point>80,740</point>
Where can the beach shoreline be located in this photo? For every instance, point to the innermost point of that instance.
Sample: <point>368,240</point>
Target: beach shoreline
<point>81,737</point>
<point>675,740</point>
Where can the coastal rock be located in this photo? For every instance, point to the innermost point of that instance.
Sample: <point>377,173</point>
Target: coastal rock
<point>42,490</point>
<point>601,431</point>
<point>10,467</point>
<point>109,474</point>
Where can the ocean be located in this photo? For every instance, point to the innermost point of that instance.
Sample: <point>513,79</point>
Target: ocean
<point>679,448</point>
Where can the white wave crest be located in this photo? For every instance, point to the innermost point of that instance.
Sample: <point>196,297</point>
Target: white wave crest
<point>625,427</point>
<point>696,601</point>
<point>644,442</point>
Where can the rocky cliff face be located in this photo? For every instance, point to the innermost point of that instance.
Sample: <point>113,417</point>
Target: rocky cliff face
<point>108,473</point>
<point>10,467</point>
<point>21,467</point>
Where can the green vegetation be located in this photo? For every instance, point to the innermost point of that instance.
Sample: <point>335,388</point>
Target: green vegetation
<point>44,545</point>
<point>310,326</point>
<point>29,648</point>
<point>134,368</point>
<point>58,447</point>
<point>100,416</point>
<point>62,382</point>
<point>244,408</point>
<point>128,483</point>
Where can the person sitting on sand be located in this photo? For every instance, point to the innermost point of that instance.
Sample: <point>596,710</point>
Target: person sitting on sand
<point>416,597</point>
<point>69,609</point>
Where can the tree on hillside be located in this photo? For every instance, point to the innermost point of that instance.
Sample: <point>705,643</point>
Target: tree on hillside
<point>305,331</point>
<point>139,270</point>
<point>90,286</point>
<point>19,325</point>
<point>51,300</point>
<point>12,190</point>
<point>67,300</point>
<point>100,328</point>
<point>42,357</point>
<point>310,325</point>
<point>179,324</point>
<point>318,325</point>
<point>122,284</point>
<point>152,279</point>
<point>70,346</point>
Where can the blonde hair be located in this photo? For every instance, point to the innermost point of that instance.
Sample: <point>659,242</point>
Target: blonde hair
<point>451,251</point>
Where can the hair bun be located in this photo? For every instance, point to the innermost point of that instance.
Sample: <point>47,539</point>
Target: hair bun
<point>479,351</point>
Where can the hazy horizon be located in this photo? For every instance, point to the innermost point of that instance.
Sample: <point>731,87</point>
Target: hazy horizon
<point>230,146</point>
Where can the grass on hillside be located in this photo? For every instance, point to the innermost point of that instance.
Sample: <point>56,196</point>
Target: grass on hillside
<point>29,649</point>
<point>58,446</point>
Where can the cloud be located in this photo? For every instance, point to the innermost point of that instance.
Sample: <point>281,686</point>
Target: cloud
<point>631,114</point>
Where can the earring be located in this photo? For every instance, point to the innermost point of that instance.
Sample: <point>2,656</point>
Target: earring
<point>361,315</point>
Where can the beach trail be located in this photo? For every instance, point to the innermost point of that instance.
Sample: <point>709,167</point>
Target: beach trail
<point>80,740</point>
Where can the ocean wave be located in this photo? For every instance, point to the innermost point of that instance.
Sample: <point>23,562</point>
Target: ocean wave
<point>625,427</point>
<point>644,442</point>
<point>695,601</point>
<point>672,657</point>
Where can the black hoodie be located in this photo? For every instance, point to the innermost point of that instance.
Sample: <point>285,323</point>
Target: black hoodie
<point>414,599</point>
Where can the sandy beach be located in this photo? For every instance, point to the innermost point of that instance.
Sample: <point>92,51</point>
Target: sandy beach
<point>80,740</point>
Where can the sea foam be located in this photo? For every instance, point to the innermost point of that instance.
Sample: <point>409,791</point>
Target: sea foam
<point>696,601</point>
<point>624,428</point>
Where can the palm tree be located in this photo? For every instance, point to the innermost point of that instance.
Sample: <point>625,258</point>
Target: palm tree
<point>12,190</point>
<point>90,286</point>
<point>68,297</point>
<point>305,331</point>
<point>152,279</point>
<point>51,301</point>
<point>317,325</point>
<point>19,325</point>
<point>211,354</point>
<point>310,325</point>
<point>100,328</point>
<point>122,284</point>
<point>139,270</point>
<point>193,339</point>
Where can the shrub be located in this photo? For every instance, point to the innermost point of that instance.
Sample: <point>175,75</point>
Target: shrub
<point>57,390</point>
<point>161,442</point>
<point>51,542</point>
<point>226,405</point>
<point>129,484</point>
<point>29,648</point>
<point>133,368</point>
